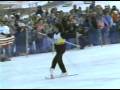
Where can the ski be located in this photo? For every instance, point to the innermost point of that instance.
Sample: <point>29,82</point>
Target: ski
<point>59,76</point>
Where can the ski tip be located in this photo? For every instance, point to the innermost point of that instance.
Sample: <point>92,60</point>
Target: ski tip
<point>47,78</point>
<point>50,78</point>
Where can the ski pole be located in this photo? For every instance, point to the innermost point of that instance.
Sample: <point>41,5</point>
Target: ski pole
<point>65,41</point>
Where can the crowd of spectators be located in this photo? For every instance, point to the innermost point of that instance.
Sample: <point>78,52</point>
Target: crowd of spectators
<point>96,26</point>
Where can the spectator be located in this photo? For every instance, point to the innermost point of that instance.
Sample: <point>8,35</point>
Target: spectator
<point>107,26</point>
<point>91,23</point>
<point>114,8</point>
<point>39,10</point>
<point>107,9</point>
<point>6,33</point>
<point>39,37</point>
<point>20,39</point>
<point>47,43</point>
<point>71,30</point>
<point>74,10</point>
<point>92,6</point>
<point>114,34</point>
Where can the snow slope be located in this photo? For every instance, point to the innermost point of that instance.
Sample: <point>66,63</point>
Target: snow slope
<point>98,67</point>
<point>28,4</point>
<point>83,6</point>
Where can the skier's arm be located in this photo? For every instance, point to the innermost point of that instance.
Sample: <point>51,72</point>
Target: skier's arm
<point>50,35</point>
<point>63,35</point>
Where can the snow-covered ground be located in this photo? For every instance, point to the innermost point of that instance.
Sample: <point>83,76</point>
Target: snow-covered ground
<point>28,4</point>
<point>83,6</point>
<point>98,67</point>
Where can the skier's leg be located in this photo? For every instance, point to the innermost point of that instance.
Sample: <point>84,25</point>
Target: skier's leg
<point>60,61</point>
<point>61,64</point>
<point>54,62</point>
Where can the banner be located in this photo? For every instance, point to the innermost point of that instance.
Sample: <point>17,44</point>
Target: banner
<point>6,41</point>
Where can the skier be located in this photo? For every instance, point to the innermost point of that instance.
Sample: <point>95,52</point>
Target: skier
<point>59,43</point>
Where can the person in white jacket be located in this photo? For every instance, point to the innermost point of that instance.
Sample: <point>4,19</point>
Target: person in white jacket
<point>4,34</point>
